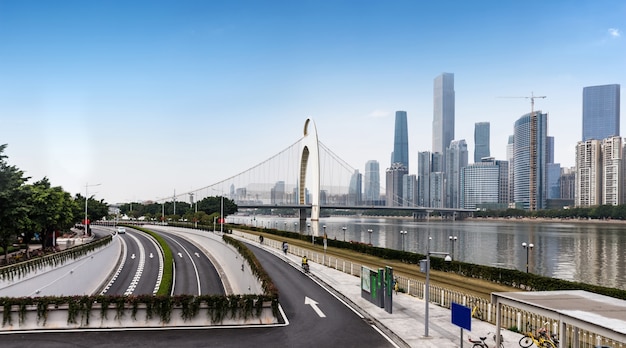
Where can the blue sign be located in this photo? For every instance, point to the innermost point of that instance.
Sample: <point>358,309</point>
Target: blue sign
<point>462,316</point>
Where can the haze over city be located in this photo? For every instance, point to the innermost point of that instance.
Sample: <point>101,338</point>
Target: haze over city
<point>150,97</point>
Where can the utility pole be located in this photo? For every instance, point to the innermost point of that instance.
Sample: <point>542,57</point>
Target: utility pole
<point>532,204</point>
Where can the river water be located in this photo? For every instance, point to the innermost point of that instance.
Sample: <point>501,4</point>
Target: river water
<point>591,253</point>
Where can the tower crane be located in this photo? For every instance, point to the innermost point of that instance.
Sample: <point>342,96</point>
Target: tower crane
<point>533,150</point>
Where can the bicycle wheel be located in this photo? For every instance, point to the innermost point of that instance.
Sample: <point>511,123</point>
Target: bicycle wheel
<point>478,345</point>
<point>525,342</point>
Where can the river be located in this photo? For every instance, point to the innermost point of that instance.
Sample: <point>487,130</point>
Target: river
<point>591,253</point>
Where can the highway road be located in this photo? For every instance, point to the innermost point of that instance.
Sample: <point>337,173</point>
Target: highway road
<point>140,267</point>
<point>314,318</point>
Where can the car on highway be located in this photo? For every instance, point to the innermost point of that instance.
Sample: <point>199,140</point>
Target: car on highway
<point>121,230</point>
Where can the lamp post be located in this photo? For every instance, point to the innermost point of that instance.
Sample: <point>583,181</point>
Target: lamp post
<point>447,258</point>
<point>402,233</point>
<point>528,248</point>
<point>87,199</point>
<point>370,232</point>
<point>453,240</point>
<point>295,227</point>
<point>344,233</point>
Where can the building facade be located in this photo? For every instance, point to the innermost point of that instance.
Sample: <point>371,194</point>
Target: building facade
<point>443,112</point>
<point>456,159</point>
<point>355,189</point>
<point>601,112</point>
<point>423,178</point>
<point>522,167</point>
<point>588,173</point>
<point>612,171</point>
<point>393,189</point>
<point>481,141</point>
<point>485,183</point>
<point>409,190</point>
<point>372,182</point>
<point>401,140</point>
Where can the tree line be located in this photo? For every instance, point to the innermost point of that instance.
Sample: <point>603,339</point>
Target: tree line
<point>38,210</point>
<point>600,212</point>
<point>205,211</point>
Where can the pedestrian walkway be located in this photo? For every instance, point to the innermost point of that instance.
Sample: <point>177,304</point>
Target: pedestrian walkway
<point>407,320</point>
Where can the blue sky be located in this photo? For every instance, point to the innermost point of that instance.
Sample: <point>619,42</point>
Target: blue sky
<point>146,97</point>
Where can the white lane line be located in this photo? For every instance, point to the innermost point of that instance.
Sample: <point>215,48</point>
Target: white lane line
<point>142,262</point>
<point>119,269</point>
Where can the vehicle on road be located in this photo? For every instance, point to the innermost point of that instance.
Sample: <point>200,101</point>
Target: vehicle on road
<point>121,230</point>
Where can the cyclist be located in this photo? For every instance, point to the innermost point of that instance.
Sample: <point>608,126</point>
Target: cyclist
<point>305,263</point>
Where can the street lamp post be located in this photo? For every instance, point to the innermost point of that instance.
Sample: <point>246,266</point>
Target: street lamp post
<point>528,248</point>
<point>370,232</point>
<point>86,199</point>
<point>344,233</point>
<point>295,227</point>
<point>402,233</point>
<point>453,240</point>
<point>447,258</point>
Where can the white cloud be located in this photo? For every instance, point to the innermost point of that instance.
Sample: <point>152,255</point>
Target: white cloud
<point>379,113</point>
<point>614,32</point>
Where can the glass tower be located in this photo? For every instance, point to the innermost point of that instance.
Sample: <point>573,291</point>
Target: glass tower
<point>443,112</point>
<point>456,158</point>
<point>481,141</point>
<point>401,140</point>
<point>372,182</point>
<point>601,112</point>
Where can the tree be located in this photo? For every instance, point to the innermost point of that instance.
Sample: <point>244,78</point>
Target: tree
<point>13,207</point>
<point>52,210</point>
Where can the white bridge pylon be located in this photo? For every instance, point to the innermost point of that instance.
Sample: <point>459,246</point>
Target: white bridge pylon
<point>310,155</point>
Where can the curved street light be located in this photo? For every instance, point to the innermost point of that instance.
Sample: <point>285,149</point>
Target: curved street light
<point>402,233</point>
<point>528,248</point>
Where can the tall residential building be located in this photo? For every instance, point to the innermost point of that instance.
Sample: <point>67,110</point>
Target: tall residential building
<point>601,112</point>
<point>437,190</point>
<point>393,189</point>
<point>401,140</point>
<point>372,182</point>
<point>485,184</point>
<point>612,171</point>
<point>436,162</point>
<point>522,153</point>
<point>423,179</point>
<point>588,173</point>
<point>443,112</point>
<point>456,159</point>
<point>409,190</point>
<point>568,183</point>
<point>277,193</point>
<point>510,157</point>
<point>481,141</point>
<point>355,189</point>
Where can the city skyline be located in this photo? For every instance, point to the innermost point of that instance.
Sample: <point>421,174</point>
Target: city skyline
<point>146,98</point>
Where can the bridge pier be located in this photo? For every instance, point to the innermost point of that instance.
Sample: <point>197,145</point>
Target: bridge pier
<point>303,217</point>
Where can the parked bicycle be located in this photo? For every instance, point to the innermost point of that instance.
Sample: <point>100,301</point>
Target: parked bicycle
<point>476,312</point>
<point>483,344</point>
<point>541,340</point>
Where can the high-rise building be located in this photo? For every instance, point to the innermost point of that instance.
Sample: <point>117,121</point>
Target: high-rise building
<point>485,184</point>
<point>510,157</point>
<point>437,190</point>
<point>568,183</point>
<point>277,193</point>
<point>355,189</point>
<point>588,173</point>
<point>481,141</point>
<point>409,190</point>
<point>401,140</point>
<point>553,177</point>
<point>522,153</point>
<point>393,189</point>
<point>372,182</point>
<point>456,159</point>
<point>423,179</point>
<point>443,112</point>
<point>612,171</point>
<point>601,112</point>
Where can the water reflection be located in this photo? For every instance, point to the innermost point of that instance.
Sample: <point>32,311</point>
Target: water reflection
<point>585,252</point>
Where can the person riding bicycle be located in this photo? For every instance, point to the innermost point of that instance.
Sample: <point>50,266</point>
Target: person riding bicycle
<point>305,263</point>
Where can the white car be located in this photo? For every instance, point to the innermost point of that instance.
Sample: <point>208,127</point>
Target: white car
<point>121,230</point>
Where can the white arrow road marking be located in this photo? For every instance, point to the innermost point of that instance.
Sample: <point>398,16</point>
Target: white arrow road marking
<point>197,255</point>
<point>180,254</point>
<point>132,256</point>
<point>313,303</point>
<point>151,256</point>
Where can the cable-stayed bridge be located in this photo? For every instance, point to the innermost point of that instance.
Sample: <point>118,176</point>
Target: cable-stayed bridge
<point>307,176</point>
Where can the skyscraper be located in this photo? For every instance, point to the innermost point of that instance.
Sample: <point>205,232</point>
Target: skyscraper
<point>355,189</point>
<point>401,140</point>
<point>612,171</point>
<point>456,159</point>
<point>443,112</point>
<point>481,141</point>
<point>522,158</point>
<point>393,188</point>
<point>409,190</point>
<point>601,112</point>
<point>588,173</point>
<point>485,183</point>
<point>372,182</point>
<point>510,157</point>
<point>423,179</point>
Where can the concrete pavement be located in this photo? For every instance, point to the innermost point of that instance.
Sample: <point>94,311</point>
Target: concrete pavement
<point>406,324</point>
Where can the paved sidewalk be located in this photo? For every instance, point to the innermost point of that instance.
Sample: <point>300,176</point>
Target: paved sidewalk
<point>407,320</point>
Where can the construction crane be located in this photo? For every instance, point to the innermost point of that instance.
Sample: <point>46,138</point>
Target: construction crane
<point>532,197</point>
